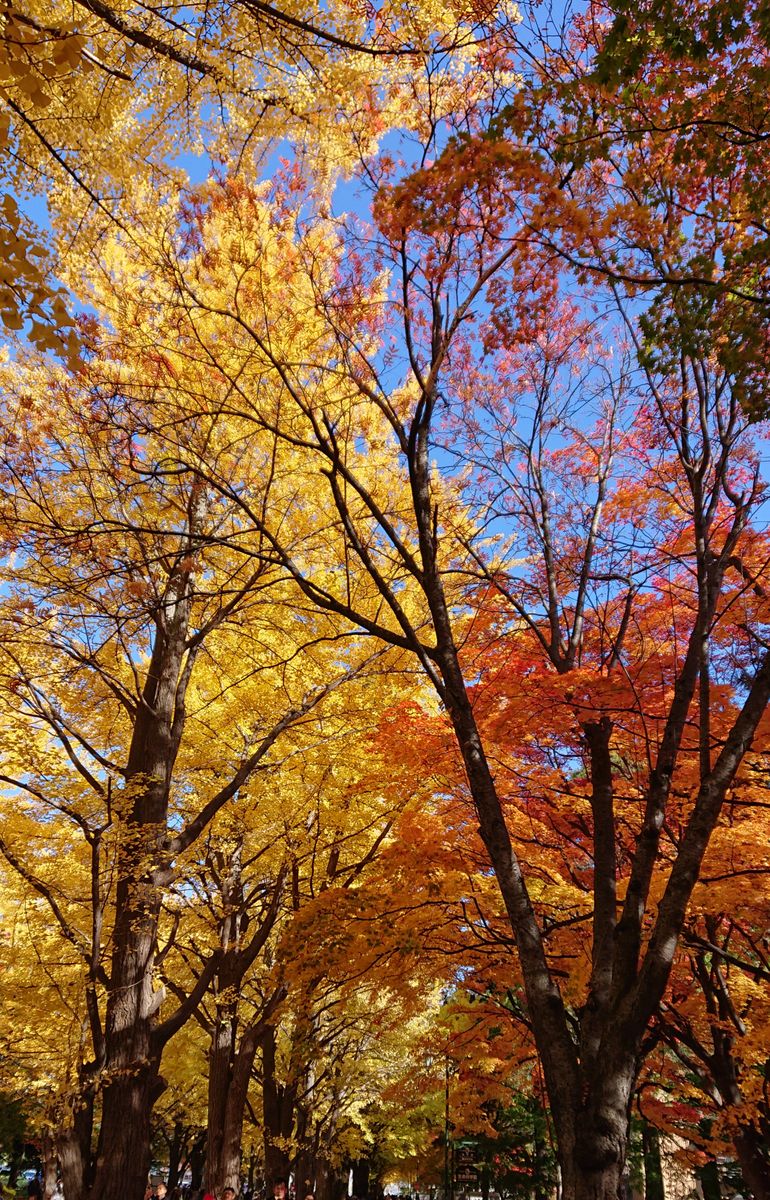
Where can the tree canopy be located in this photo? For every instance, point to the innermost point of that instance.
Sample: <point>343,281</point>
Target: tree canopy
<point>384,669</point>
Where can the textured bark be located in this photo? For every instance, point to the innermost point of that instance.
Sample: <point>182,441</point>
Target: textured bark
<point>73,1147</point>
<point>71,1164</point>
<point>605,1183</point>
<point>131,1052</point>
<point>220,1070</point>
<point>123,1160</point>
<point>236,1106</point>
<point>225,1170</point>
<point>593,1162</point>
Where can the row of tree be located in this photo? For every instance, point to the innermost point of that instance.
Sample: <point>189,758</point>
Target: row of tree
<point>385,597</point>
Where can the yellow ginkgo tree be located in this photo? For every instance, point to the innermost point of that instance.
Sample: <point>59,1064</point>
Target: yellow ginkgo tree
<point>152,663</point>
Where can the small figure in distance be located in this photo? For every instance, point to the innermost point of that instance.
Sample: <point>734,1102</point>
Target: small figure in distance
<point>280,1189</point>
<point>228,1193</point>
<point>160,1191</point>
<point>34,1189</point>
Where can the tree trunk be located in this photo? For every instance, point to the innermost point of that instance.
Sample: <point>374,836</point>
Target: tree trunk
<point>304,1172</point>
<point>593,1151</point>
<point>220,1077</point>
<point>49,1165</point>
<point>175,1155</point>
<point>197,1153</point>
<point>360,1178</point>
<point>73,1147</point>
<point>132,1074</point>
<point>324,1181</point>
<point>229,1170</point>
<point>605,1183</point>
<point>132,1058</point>
<point>252,1173</point>
<point>653,1167</point>
<point>304,1165</point>
<point>752,1151</point>
<point>277,1112</point>
<point>123,1160</point>
<point>17,1154</point>
<point>709,1180</point>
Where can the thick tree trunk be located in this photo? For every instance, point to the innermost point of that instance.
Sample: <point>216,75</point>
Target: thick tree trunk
<point>604,1184</point>
<point>593,1154</point>
<point>71,1165</point>
<point>594,1169</point>
<point>132,1075</point>
<point>324,1183</point>
<point>360,1178</point>
<point>73,1147</point>
<point>228,1091</point>
<point>123,1160</point>
<point>132,1058</point>
<point>304,1174</point>
<point>220,1077</point>
<point>235,1108</point>
<point>304,1167</point>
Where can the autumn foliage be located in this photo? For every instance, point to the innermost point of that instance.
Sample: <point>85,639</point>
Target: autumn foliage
<point>384,668</point>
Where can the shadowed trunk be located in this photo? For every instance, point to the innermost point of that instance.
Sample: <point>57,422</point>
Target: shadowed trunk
<point>709,1181</point>
<point>73,1147</point>
<point>175,1155</point>
<point>653,1166</point>
<point>49,1165</point>
<point>277,1112</point>
<point>197,1160</point>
